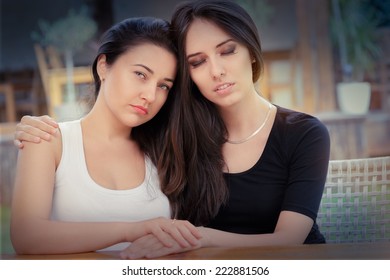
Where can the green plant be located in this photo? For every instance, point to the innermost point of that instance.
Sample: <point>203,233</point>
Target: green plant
<point>5,242</point>
<point>353,24</point>
<point>259,10</point>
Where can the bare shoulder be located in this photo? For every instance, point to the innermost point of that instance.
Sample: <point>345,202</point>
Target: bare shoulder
<point>47,149</point>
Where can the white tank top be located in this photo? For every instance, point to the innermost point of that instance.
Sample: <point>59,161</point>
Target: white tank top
<point>78,198</point>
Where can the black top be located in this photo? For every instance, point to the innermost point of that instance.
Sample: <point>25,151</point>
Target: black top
<point>290,175</point>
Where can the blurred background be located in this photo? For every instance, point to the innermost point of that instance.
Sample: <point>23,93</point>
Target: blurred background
<point>329,58</point>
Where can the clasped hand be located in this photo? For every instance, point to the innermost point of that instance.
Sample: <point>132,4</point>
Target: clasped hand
<point>150,246</point>
<point>163,237</point>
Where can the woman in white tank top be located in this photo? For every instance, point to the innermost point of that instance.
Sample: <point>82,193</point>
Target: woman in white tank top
<point>93,185</point>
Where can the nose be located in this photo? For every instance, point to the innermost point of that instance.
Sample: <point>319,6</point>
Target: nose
<point>217,69</point>
<point>148,93</point>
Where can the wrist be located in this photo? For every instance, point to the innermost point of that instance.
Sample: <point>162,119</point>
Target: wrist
<point>132,231</point>
<point>205,241</point>
<point>126,232</point>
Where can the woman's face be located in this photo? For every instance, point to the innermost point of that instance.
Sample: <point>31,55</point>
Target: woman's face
<point>137,84</point>
<point>220,66</point>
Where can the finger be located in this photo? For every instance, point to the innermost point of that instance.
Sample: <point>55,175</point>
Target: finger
<point>163,251</point>
<point>23,136</point>
<point>26,131</point>
<point>35,119</point>
<point>18,144</point>
<point>172,229</point>
<point>189,236</point>
<point>193,229</point>
<point>144,251</point>
<point>166,226</point>
<point>49,120</point>
<point>159,253</point>
<point>156,246</point>
<point>141,247</point>
<point>162,236</point>
<point>186,231</point>
<point>44,123</point>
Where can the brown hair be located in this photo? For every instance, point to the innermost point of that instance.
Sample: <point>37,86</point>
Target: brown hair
<point>191,170</point>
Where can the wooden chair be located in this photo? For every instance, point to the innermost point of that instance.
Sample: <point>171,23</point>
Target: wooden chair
<point>25,95</point>
<point>54,76</point>
<point>10,111</point>
<point>355,206</point>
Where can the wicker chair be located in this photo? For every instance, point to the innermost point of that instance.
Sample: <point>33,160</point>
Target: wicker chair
<point>355,206</point>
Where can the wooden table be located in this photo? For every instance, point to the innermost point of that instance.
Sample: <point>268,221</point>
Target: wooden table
<point>352,251</point>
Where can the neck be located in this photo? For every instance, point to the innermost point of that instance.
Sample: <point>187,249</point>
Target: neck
<point>102,124</point>
<point>245,118</point>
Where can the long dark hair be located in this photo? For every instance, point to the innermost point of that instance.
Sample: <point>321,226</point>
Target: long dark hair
<point>193,158</point>
<point>114,43</point>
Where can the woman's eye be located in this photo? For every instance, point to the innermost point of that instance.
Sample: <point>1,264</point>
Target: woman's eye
<point>165,87</point>
<point>228,51</point>
<point>140,74</point>
<point>196,63</point>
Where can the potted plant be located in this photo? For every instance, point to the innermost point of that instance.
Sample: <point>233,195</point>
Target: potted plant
<point>260,10</point>
<point>68,35</point>
<point>354,31</point>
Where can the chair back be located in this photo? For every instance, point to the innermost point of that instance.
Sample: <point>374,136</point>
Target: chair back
<point>355,205</point>
<point>55,76</point>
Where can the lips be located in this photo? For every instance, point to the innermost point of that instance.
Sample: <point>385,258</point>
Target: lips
<point>140,109</point>
<point>223,88</point>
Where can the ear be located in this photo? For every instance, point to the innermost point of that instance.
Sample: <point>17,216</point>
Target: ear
<point>101,66</point>
<point>253,57</point>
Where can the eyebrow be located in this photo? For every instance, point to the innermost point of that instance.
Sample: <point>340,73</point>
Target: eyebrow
<point>152,72</point>
<point>146,67</point>
<point>217,46</point>
<point>169,80</point>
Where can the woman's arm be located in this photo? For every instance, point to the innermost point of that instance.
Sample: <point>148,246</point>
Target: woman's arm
<point>291,229</point>
<point>34,129</point>
<point>32,231</point>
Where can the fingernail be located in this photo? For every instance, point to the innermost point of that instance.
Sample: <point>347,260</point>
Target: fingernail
<point>47,136</point>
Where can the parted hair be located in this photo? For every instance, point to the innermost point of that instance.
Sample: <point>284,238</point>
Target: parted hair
<point>192,169</point>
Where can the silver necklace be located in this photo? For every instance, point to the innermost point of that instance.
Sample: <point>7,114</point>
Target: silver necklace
<point>256,131</point>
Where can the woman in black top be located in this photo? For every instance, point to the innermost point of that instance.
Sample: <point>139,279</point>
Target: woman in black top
<point>254,172</point>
